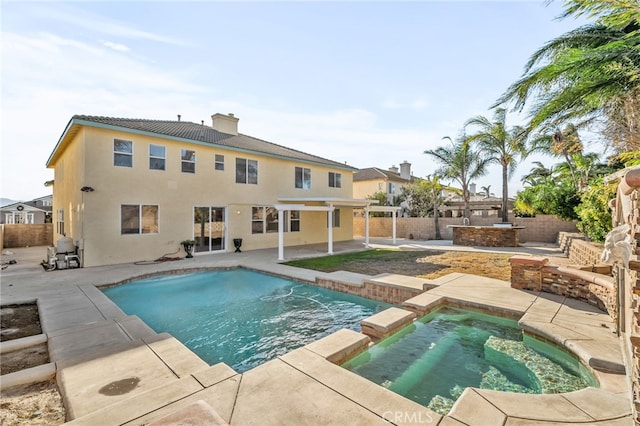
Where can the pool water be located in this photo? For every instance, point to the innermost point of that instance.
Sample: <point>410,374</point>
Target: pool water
<point>240,317</point>
<point>434,359</point>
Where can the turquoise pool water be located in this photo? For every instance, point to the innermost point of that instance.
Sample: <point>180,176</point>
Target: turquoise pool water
<point>240,317</point>
<point>433,360</point>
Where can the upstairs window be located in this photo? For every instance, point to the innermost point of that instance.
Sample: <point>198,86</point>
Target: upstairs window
<point>219,162</point>
<point>246,171</point>
<point>157,157</point>
<point>122,153</point>
<point>392,188</point>
<point>335,180</point>
<point>188,157</point>
<point>303,178</point>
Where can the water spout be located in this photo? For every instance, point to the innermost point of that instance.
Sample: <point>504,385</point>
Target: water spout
<point>465,221</point>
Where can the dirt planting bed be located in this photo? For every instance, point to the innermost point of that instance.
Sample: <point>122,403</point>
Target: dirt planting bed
<point>35,403</point>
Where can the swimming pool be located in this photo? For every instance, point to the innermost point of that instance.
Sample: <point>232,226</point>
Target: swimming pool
<point>434,359</point>
<point>240,317</point>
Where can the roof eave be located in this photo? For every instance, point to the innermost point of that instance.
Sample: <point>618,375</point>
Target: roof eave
<point>80,122</point>
<point>60,141</point>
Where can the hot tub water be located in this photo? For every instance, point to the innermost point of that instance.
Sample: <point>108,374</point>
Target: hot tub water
<point>434,359</point>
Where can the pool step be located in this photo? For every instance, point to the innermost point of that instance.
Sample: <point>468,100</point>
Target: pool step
<point>420,369</point>
<point>530,366</point>
<point>441,404</point>
<point>494,379</point>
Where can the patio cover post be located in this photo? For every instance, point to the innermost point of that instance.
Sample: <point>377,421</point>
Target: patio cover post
<point>330,231</point>
<point>280,234</point>
<point>394,214</point>
<point>366,226</point>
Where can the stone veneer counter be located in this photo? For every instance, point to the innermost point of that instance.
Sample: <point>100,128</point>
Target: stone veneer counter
<point>486,236</point>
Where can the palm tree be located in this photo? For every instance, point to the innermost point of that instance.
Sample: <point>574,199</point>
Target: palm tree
<point>461,163</point>
<point>586,73</point>
<point>537,175</point>
<point>486,190</point>
<point>500,145</point>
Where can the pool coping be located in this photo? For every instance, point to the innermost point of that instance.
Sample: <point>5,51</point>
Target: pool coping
<point>95,333</point>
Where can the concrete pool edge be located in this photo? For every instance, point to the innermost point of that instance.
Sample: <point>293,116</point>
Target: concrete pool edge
<point>80,312</point>
<point>534,306</point>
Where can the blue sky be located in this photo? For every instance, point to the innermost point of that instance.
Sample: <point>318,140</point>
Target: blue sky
<point>367,83</point>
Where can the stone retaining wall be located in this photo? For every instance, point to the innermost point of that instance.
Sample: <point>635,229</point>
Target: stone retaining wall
<point>536,274</point>
<point>585,252</point>
<point>626,211</point>
<point>371,290</point>
<point>579,250</point>
<point>542,228</point>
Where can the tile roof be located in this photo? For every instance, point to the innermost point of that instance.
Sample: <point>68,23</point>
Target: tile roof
<point>204,134</point>
<point>373,173</point>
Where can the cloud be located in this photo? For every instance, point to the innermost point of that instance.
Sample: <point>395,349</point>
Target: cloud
<point>116,46</point>
<point>415,104</point>
<point>75,17</point>
<point>47,79</point>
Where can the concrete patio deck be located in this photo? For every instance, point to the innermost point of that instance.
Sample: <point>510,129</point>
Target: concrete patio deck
<point>113,369</point>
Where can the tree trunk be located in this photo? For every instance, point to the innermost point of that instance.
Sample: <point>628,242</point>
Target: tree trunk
<point>505,193</point>
<point>466,195</point>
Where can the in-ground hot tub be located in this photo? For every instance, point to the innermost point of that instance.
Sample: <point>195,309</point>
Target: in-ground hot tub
<point>434,359</point>
<point>498,235</point>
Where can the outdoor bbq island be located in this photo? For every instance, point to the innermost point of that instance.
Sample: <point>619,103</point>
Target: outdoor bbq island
<point>498,235</point>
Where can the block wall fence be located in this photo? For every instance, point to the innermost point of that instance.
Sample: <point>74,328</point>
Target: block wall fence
<point>26,235</point>
<point>542,228</point>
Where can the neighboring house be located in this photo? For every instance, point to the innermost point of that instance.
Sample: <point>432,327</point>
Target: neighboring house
<point>133,189</point>
<point>29,212</point>
<point>44,203</point>
<point>369,181</point>
<point>480,204</point>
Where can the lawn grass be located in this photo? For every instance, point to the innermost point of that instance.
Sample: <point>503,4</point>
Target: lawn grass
<point>335,262</point>
<point>424,263</point>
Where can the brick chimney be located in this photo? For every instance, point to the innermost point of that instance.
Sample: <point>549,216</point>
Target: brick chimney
<point>225,123</point>
<point>393,169</point>
<point>405,170</point>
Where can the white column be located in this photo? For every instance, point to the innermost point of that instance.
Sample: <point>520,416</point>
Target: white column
<point>394,213</point>
<point>366,227</point>
<point>330,231</point>
<point>280,235</point>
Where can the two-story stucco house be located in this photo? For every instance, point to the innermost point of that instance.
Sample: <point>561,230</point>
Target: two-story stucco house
<point>371,180</point>
<point>132,189</point>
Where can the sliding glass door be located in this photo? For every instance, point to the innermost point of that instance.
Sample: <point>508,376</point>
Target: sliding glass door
<point>209,228</point>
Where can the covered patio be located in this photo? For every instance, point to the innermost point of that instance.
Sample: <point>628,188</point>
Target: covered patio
<point>329,204</point>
